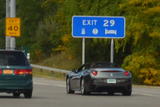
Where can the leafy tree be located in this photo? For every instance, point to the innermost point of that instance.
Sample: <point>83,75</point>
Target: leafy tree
<point>143,20</point>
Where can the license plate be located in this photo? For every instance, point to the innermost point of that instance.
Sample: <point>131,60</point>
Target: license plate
<point>111,81</point>
<point>8,72</point>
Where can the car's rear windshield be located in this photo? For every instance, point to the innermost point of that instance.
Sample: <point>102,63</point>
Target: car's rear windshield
<point>13,58</point>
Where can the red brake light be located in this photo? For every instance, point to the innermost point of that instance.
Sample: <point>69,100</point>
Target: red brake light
<point>23,72</point>
<point>1,72</point>
<point>126,73</point>
<point>94,73</point>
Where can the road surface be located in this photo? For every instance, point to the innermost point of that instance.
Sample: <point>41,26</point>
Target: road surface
<point>51,93</point>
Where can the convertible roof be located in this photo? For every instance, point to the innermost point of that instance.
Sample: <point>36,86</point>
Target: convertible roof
<point>103,65</point>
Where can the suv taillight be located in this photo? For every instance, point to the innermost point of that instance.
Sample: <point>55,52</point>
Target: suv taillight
<point>126,73</point>
<point>23,72</point>
<point>1,72</point>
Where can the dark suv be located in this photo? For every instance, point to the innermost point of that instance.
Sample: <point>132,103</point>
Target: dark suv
<point>15,73</point>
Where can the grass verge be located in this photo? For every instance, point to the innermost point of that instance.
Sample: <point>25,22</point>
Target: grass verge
<point>48,74</point>
<point>61,61</point>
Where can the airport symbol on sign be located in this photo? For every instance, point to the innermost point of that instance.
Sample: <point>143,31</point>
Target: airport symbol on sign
<point>98,27</point>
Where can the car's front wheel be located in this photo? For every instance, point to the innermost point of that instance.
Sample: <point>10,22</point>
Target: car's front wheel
<point>84,90</point>
<point>68,87</point>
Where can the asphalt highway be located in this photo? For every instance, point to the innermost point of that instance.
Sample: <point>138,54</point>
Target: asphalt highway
<point>51,93</point>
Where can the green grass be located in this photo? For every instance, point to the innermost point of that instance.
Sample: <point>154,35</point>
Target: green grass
<point>48,74</point>
<point>61,61</point>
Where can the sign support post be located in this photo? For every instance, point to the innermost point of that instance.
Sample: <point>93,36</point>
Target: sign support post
<point>7,42</point>
<point>83,51</point>
<point>10,12</point>
<point>13,14</point>
<point>112,51</point>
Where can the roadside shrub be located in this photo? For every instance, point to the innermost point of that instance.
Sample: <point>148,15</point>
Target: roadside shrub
<point>150,76</point>
<point>144,68</point>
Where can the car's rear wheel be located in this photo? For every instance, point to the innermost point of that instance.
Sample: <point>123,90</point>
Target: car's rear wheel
<point>16,94</point>
<point>28,94</point>
<point>84,90</point>
<point>110,93</point>
<point>128,91</point>
<point>68,87</point>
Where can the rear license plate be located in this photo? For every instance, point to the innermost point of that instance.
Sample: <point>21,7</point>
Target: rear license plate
<point>8,72</point>
<point>111,81</point>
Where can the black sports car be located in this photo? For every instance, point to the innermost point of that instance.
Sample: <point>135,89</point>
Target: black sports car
<point>99,77</point>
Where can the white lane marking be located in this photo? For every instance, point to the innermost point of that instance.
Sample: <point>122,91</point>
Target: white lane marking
<point>152,92</point>
<point>148,87</point>
<point>150,95</point>
<point>146,93</point>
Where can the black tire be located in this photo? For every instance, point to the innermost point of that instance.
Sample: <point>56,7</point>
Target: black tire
<point>110,93</point>
<point>68,88</point>
<point>128,91</point>
<point>16,94</point>
<point>84,90</point>
<point>28,94</point>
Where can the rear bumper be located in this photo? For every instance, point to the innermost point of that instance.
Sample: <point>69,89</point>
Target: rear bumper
<point>102,85</point>
<point>20,86</point>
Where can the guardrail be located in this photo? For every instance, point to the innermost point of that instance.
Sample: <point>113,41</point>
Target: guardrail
<point>49,68</point>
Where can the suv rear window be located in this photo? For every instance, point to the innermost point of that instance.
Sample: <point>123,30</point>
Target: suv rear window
<point>12,58</point>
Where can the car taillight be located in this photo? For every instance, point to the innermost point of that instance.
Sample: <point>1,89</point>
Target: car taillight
<point>94,73</point>
<point>1,72</point>
<point>126,73</point>
<point>23,72</point>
